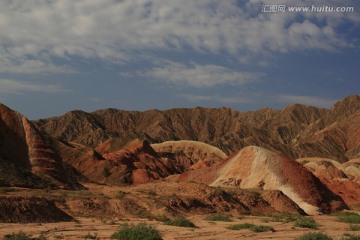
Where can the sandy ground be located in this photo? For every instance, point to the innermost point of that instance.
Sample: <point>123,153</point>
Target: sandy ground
<point>104,227</point>
<point>205,229</point>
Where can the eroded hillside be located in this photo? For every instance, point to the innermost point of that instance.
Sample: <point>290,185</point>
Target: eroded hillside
<point>296,130</point>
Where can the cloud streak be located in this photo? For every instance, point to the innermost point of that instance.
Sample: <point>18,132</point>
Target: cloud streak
<point>196,75</point>
<point>214,98</point>
<point>15,86</point>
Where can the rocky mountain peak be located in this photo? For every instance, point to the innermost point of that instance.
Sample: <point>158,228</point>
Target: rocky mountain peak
<point>346,106</point>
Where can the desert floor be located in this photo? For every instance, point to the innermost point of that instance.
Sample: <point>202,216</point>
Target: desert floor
<point>205,229</point>
<point>103,227</point>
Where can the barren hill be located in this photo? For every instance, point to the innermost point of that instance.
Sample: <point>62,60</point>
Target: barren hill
<point>190,154</point>
<point>342,179</point>
<point>296,130</point>
<point>256,167</point>
<point>134,163</point>
<point>27,157</point>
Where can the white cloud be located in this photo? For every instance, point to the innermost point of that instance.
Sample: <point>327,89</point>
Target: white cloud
<point>115,30</point>
<point>32,66</point>
<point>15,86</point>
<point>307,100</point>
<point>195,75</point>
<point>214,98</point>
<point>18,60</point>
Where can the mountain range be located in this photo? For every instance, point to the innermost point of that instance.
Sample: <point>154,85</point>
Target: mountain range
<point>218,147</point>
<point>296,130</point>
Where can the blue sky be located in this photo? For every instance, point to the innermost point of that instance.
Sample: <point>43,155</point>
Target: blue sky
<point>61,55</point>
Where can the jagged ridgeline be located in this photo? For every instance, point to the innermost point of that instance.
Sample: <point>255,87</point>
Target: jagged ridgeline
<point>296,130</point>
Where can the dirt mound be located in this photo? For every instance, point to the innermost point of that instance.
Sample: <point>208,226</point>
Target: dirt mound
<point>134,163</point>
<point>190,152</point>
<point>198,198</point>
<point>255,167</point>
<point>348,190</point>
<point>29,154</point>
<point>177,198</point>
<point>342,179</point>
<point>30,210</point>
<point>350,168</point>
<point>282,203</point>
<point>327,172</point>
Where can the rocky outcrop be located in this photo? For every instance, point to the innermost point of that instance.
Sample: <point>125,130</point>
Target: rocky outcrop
<point>27,156</point>
<point>134,163</point>
<point>255,167</point>
<point>342,179</point>
<point>181,198</point>
<point>30,210</point>
<point>190,154</point>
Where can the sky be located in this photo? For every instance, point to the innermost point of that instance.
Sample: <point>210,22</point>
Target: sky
<point>61,55</point>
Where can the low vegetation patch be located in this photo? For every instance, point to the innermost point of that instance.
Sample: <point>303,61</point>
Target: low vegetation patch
<point>240,226</point>
<point>305,222</point>
<point>348,217</point>
<point>22,236</point>
<point>152,193</point>
<point>314,236</point>
<point>121,194</point>
<point>354,227</point>
<point>180,222</point>
<point>252,227</point>
<point>350,237</point>
<point>219,218</point>
<point>240,217</point>
<point>136,232</point>
<point>284,217</point>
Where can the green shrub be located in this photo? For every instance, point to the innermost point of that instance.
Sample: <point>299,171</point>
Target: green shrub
<point>350,237</point>
<point>262,228</point>
<point>22,236</point>
<point>240,226</point>
<point>180,222</point>
<point>305,222</point>
<point>314,236</point>
<point>121,194</point>
<point>219,218</point>
<point>141,231</point>
<point>284,217</point>
<point>252,227</point>
<point>354,227</point>
<point>152,193</point>
<point>348,217</point>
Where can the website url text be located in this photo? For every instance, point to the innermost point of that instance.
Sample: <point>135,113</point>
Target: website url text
<point>272,8</point>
